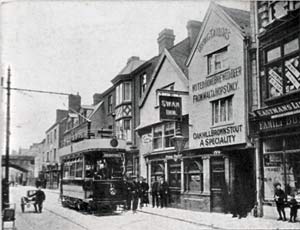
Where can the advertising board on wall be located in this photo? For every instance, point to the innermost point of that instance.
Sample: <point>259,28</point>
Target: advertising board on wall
<point>170,107</point>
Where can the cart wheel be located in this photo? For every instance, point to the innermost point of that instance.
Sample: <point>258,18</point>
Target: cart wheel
<point>22,207</point>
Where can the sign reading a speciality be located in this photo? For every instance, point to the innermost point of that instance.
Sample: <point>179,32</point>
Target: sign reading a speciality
<point>170,107</point>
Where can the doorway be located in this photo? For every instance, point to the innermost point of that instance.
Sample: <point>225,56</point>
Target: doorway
<point>217,184</point>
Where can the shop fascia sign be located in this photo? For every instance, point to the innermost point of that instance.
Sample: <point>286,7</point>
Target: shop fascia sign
<point>281,110</point>
<point>170,107</point>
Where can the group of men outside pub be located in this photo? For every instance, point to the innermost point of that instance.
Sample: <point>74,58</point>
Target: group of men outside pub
<point>137,193</point>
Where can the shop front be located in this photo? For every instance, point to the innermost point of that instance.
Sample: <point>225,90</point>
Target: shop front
<point>278,132</point>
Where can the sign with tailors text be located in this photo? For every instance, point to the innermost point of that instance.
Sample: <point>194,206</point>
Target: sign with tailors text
<point>170,107</point>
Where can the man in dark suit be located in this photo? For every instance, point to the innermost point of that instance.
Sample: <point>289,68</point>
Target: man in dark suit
<point>127,192</point>
<point>163,192</point>
<point>280,198</point>
<point>155,193</point>
<point>39,198</point>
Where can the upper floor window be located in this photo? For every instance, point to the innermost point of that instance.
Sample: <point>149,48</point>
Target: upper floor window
<point>127,91</point>
<point>109,104</point>
<point>143,81</point>
<point>162,135</point>
<point>278,9</point>
<point>283,68</point>
<point>222,110</point>
<point>217,61</point>
<point>55,134</point>
<point>123,92</point>
<point>54,154</point>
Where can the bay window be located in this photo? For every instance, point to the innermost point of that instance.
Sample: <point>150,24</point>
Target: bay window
<point>127,91</point>
<point>157,137</point>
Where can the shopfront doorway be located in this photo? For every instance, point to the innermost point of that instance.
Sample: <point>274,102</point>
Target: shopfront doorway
<point>217,184</point>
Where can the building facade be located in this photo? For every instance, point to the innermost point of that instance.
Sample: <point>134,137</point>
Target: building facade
<point>276,122</point>
<point>164,113</point>
<point>218,113</point>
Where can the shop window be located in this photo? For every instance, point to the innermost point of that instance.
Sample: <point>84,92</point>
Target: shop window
<point>157,171</point>
<point>292,142</point>
<point>222,110</point>
<point>283,68</point>
<point>174,175</point>
<point>109,104</point>
<point>143,82</point>
<point>217,61</point>
<point>273,145</point>
<point>193,176</point>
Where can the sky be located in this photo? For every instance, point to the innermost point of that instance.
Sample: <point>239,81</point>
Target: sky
<point>78,47</point>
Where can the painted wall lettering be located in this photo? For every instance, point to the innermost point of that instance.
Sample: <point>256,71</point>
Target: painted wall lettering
<point>218,137</point>
<point>214,32</point>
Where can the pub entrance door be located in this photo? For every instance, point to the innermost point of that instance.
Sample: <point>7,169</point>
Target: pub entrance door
<point>217,184</point>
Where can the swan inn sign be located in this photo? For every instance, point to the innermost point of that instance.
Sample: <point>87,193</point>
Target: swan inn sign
<point>170,107</point>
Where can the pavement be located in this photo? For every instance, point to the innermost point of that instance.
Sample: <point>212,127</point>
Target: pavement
<point>147,218</point>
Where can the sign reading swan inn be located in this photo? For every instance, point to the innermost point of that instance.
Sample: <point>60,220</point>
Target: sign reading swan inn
<point>170,107</point>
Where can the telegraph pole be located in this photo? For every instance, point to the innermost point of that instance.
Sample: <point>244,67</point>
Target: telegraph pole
<point>6,180</point>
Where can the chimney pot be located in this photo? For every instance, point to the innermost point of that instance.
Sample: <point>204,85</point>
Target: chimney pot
<point>74,102</point>
<point>165,39</point>
<point>133,58</point>
<point>97,97</point>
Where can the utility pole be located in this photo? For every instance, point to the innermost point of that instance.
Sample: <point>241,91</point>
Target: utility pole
<point>6,180</point>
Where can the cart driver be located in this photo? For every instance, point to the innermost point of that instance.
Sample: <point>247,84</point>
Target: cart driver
<point>39,198</point>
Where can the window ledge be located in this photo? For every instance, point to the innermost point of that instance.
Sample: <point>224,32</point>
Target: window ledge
<point>215,73</point>
<point>281,97</point>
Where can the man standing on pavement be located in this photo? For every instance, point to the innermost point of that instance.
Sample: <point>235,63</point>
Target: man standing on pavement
<point>163,192</point>
<point>39,198</point>
<point>127,192</point>
<point>280,198</point>
<point>155,193</point>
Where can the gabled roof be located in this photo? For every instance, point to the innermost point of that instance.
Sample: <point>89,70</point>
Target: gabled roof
<point>240,19</point>
<point>177,55</point>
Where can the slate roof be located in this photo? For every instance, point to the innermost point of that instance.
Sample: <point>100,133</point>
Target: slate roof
<point>241,17</point>
<point>131,66</point>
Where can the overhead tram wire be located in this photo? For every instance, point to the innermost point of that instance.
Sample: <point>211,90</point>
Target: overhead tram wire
<point>39,91</point>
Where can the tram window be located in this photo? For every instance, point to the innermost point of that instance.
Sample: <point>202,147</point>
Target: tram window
<point>72,169</point>
<point>79,168</point>
<point>66,170</point>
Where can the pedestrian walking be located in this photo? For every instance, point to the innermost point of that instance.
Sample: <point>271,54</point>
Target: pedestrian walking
<point>163,192</point>
<point>294,208</point>
<point>280,198</point>
<point>135,195</point>
<point>39,198</point>
<point>155,193</point>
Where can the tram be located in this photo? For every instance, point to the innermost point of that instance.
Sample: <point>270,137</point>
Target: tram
<point>93,180</point>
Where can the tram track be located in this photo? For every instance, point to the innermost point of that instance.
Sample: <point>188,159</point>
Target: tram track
<point>66,218</point>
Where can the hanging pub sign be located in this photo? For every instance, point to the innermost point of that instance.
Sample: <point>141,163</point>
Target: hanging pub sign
<point>170,107</point>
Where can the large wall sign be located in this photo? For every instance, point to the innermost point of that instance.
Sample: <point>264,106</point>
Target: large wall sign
<point>218,91</point>
<point>218,137</point>
<point>170,107</point>
<point>214,32</point>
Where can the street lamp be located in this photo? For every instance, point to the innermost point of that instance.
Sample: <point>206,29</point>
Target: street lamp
<point>179,142</point>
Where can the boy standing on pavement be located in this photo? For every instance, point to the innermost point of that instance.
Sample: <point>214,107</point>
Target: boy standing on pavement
<point>154,193</point>
<point>280,198</point>
<point>294,207</point>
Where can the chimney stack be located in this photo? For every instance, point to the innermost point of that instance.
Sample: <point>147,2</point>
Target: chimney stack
<point>97,97</point>
<point>193,29</point>
<point>133,58</point>
<point>165,40</point>
<point>74,102</point>
<point>60,114</point>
